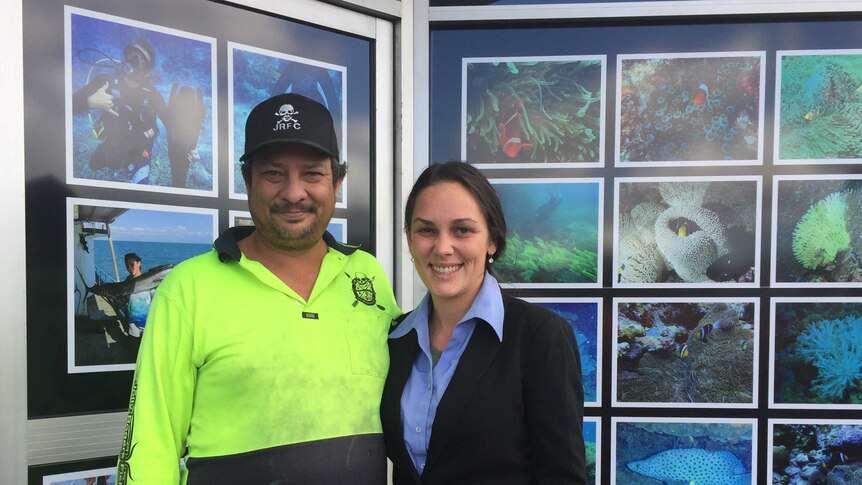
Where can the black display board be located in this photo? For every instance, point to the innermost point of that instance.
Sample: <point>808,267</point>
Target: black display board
<point>70,192</point>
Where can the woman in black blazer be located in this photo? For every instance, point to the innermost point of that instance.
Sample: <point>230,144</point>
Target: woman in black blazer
<point>482,389</point>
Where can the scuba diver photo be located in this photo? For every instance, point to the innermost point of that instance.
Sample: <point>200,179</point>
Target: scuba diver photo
<point>257,74</point>
<point>139,105</point>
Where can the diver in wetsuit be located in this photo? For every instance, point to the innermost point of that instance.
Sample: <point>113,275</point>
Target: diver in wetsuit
<point>129,105</point>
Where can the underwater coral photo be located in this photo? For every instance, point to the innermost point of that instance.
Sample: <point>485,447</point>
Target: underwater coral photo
<point>691,109</point>
<point>819,100</point>
<point>256,74</point>
<point>554,232</point>
<point>817,230</point>
<point>816,353</point>
<point>805,452</point>
<point>584,316</point>
<point>673,353</point>
<point>700,451</point>
<point>687,232</point>
<point>592,426</point>
<point>139,105</point>
<point>526,111</point>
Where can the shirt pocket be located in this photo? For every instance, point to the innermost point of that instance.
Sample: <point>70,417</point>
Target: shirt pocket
<point>366,344</point>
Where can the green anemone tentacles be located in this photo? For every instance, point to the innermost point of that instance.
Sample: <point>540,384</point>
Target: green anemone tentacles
<point>822,232</point>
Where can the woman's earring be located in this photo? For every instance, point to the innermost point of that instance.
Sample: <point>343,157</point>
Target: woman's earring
<point>490,260</point>
<point>412,260</point>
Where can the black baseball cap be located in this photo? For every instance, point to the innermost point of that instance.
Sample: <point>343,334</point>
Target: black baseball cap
<point>290,118</point>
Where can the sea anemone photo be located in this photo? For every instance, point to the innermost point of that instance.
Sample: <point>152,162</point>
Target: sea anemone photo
<point>819,100</point>
<point>528,111</point>
<point>687,232</point>
<point>673,353</point>
<point>690,109</point>
<point>817,231</point>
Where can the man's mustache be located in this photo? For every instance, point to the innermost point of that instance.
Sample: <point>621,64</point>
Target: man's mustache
<point>293,207</point>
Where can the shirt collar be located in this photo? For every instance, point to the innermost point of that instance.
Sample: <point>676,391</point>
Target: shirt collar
<point>227,245</point>
<point>486,307</point>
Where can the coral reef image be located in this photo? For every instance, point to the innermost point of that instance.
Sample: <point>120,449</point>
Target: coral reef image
<point>685,353</point>
<point>258,75</point>
<point>141,104</point>
<point>590,442</point>
<point>690,109</point>
<point>818,353</point>
<point>533,111</point>
<point>683,452</point>
<point>820,114</point>
<point>805,454</point>
<point>687,232</point>
<point>583,318</point>
<point>818,236</point>
<point>553,232</point>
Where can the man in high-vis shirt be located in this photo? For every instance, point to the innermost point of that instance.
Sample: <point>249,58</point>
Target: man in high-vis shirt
<point>263,361</point>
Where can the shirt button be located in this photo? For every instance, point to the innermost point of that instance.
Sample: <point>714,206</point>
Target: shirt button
<point>419,429</point>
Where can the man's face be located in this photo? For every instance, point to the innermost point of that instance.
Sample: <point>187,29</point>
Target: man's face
<point>291,196</point>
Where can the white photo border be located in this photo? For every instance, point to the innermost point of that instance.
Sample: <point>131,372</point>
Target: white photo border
<point>690,163</point>
<point>683,405</point>
<point>234,46</point>
<point>600,182</point>
<point>70,175</point>
<point>71,202</point>
<point>598,302</point>
<point>758,179</point>
<point>603,103</point>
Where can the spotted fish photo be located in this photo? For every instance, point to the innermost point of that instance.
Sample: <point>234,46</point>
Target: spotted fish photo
<point>718,452</point>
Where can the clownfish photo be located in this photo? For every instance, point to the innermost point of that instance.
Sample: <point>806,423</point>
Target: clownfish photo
<point>705,330</point>
<point>682,351</point>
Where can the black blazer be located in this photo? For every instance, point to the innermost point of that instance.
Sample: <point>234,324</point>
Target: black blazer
<point>512,413</point>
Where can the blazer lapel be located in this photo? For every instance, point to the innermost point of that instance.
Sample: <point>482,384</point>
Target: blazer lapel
<point>474,362</point>
<point>402,353</point>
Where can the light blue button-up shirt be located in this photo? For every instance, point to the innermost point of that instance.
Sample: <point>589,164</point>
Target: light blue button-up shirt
<point>427,384</point>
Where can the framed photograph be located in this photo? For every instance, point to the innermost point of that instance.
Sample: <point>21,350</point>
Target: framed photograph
<point>683,450</point>
<point>337,225</point>
<point>813,451</point>
<point>673,352</point>
<point>695,108</point>
<point>139,106</point>
<point>98,471</point>
<point>530,112</point>
<point>593,446</point>
<point>814,353</point>
<point>817,231</point>
<point>256,74</point>
<point>819,104</point>
<point>687,232</point>
<point>117,254</point>
<point>585,317</point>
<point>555,228</point>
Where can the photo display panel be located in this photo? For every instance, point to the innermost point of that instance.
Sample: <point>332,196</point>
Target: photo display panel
<point>135,115</point>
<point>721,159</point>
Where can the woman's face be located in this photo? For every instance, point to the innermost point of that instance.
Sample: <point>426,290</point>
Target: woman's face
<point>449,242</point>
